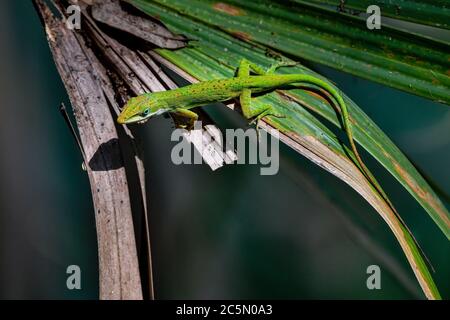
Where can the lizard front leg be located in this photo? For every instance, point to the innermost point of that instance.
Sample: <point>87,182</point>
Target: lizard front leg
<point>191,116</point>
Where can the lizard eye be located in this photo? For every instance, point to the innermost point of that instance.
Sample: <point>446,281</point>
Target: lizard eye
<point>146,112</point>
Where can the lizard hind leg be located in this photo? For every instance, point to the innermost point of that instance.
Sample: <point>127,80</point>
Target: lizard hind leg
<point>245,67</point>
<point>280,64</point>
<point>267,111</point>
<point>255,111</point>
<point>250,110</point>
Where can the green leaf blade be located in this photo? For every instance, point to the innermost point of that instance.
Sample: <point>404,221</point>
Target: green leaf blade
<point>216,55</point>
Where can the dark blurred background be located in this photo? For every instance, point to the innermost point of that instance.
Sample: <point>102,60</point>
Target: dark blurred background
<point>225,234</point>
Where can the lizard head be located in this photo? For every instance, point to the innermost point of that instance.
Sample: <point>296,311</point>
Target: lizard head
<point>140,109</point>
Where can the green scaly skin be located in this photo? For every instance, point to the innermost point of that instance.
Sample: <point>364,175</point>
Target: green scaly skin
<point>179,101</point>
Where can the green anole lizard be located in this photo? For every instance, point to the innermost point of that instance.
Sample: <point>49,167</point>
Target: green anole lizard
<point>179,101</point>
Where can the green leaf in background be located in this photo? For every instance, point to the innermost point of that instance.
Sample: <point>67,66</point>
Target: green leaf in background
<point>434,13</point>
<point>216,55</point>
<point>391,57</point>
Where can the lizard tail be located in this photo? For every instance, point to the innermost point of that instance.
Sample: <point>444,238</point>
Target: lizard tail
<point>343,112</point>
